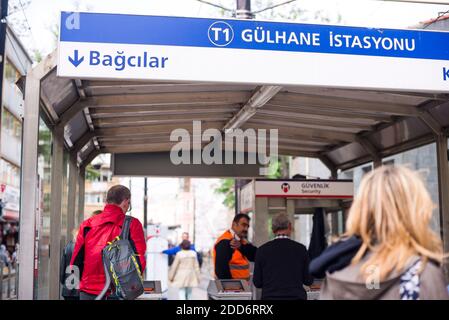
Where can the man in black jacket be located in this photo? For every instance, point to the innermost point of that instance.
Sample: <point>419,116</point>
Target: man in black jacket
<point>70,290</point>
<point>282,265</point>
<point>233,252</point>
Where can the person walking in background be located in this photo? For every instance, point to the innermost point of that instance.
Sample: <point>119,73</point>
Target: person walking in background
<point>282,265</point>
<point>389,250</point>
<point>4,256</point>
<point>171,252</point>
<point>69,290</point>
<point>185,271</point>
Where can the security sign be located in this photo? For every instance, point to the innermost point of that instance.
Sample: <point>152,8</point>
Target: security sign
<point>331,189</point>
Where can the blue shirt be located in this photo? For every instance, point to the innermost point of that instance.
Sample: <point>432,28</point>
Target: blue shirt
<point>173,251</point>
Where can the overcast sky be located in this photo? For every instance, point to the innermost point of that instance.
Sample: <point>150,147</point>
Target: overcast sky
<point>43,14</point>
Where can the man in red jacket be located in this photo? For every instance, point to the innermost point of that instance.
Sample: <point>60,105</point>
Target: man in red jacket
<point>96,232</point>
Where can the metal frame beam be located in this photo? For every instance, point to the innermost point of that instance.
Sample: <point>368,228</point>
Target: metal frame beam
<point>99,87</point>
<point>314,133</point>
<point>165,136</point>
<point>57,162</point>
<point>345,104</point>
<point>155,128</point>
<point>71,203</point>
<point>415,143</point>
<point>443,192</point>
<point>29,177</point>
<point>330,165</point>
<point>91,157</point>
<point>81,191</point>
<point>176,98</point>
<point>82,141</point>
<point>371,149</point>
<point>29,203</point>
<point>312,123</point>
<point>257,100</point>
<point>145,120</point>
<point>136,112</point>
<point>73,111</point>
<point>431,122</point>
<point>294,133</point>
<point>316,113</point>
<point>367,94</point>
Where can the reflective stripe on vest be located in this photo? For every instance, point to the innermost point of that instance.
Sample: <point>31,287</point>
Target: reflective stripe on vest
<point>238,265</point>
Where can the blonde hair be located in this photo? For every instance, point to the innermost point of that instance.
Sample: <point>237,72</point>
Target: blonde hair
<point>391,213</point>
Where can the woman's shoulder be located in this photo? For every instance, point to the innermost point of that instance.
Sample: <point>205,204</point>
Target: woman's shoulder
<point>433,282</point>
<point>432,269</point>
<point>187,253</point>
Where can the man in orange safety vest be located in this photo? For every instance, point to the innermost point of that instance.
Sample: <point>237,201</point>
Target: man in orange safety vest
<point>233,252</point>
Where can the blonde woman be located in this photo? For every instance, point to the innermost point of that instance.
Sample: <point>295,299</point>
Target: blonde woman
<point>185,271</point>
<point>389,250</point>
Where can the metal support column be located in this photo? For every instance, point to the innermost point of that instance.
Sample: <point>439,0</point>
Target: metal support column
<point>81,190</point>
<point>443,176</point>
<point>72,194</point>
<point>334,223</point>
<point>57,162</point>
<point>29,184</point>
<point>243,9</point>
<point>371,149</point>
<point>377,163</point>
<point>290,204</point>
<point>261,218</point>
<point>145,205</point>
<point>443,190</point>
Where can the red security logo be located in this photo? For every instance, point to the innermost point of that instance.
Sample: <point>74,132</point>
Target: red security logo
<point>285,187</point>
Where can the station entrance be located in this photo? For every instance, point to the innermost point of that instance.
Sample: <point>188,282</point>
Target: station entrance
<point>340,117</point>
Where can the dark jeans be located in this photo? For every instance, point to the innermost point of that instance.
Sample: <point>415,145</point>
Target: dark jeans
<point>87,296</point>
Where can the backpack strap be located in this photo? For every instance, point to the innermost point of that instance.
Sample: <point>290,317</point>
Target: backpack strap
<point>107,282</point>
<point>410,282</point>
<point>124,235</point>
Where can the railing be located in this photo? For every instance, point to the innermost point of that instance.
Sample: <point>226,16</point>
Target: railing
<point>8,282</point>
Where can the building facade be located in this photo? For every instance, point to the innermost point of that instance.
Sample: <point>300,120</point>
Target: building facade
<point>16,65</point>
<point>97,186</point>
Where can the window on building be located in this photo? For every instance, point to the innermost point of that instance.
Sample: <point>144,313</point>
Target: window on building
<point>12,96</point>
<point>11,73</point>
<point>94,198</point>
<point>11,125</point>
<point>9,173</point>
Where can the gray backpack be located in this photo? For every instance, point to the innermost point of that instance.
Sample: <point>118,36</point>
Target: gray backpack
<point>121,267</point>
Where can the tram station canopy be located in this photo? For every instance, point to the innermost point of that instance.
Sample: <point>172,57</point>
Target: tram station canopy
<point>344,128</point>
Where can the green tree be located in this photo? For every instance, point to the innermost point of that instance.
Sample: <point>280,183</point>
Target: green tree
<point>226,188</point>
<point>279,169</point>
<point>91,173</point>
